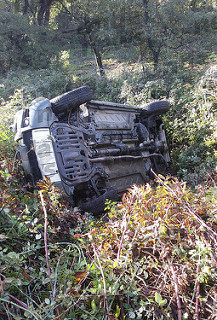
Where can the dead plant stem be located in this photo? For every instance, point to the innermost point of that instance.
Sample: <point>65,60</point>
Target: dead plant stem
<point>121,242</point>
<point>2,291</point>
<point>189,209</point>
<point>197,294</point>
<point>104,282</point>
<point>178,301</point>
<point>1,286</point>
<point>211,253</point>
<point>46,247</point>
<point>45,241</point>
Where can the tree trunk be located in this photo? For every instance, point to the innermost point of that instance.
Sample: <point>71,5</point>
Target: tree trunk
<point>153,46</point>
<point>145,4</point>
<point>47,16</point>
<point>17,6</point>
<point>26,6</point>
<point>84,44</point>
<point>156,55</point>
<point>155,50</point>
<point>97,54</point>
<point>8,6</point>
<point>193,4</point>
<point>40,16</point>
<point>44,12</point>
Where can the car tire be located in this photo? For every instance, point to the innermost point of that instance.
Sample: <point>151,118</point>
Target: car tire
<point>156,108</point>
<point>97,205</point>
<point>70,100</point>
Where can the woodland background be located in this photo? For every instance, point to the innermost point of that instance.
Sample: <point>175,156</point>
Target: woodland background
<point>153,255</point>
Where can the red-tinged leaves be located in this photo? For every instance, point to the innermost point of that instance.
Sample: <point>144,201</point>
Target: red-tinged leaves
<point>80,275</point>
<point>25,274</point>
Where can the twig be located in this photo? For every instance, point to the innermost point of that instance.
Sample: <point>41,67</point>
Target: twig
<point>179,307</point>
<point>45,241</point>
<point>14,304</point>
<point>46,248</point>
<point>122,308</point>
<point>189,209</point>
<point>211,253</point>
<point>104,282</point>
<point>213,233</point>
<point>2,291</point>
<point>123,234</point>
<point>121,242</point>
<point>1,286</point>
<point>197,296</point>
<point>18,301</point>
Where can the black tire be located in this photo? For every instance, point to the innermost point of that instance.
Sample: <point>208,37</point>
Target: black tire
<point>97,205</point>
<point>70,100</point>
<point>156,108</point>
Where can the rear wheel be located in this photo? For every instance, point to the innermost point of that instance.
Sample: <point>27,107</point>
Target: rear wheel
<point>70,100</point>
<point>97,206</point>
<point>156,108</point>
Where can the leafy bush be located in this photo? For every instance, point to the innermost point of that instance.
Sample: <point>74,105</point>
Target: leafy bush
<point>25,45</point>
<point>157,254</point>
<point>46,83</point>
<point>24,257</point>
<point>191,126</point>
<point>154,257</point>
<point>7,112</point>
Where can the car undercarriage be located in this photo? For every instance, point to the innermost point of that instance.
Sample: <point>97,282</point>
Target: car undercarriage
<point>93,150</point>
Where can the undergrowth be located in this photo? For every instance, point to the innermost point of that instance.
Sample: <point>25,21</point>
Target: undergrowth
<point>152,256</point>
<point>190,124</point>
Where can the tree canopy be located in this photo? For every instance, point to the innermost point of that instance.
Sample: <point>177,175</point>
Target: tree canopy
<point>156,28</point>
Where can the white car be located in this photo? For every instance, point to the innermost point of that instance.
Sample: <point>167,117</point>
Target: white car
<point>94,150</point>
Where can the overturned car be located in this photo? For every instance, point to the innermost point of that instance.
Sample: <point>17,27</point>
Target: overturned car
<point>93,150</point>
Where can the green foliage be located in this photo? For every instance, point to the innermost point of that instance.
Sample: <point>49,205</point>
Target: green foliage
<point>127,266</point>
<point>156,248</point>
<point>7,113</point>
<point>177,28</point>
<point>193,114</point>
<point>155,240</point>
<point>24,45</point>
<point>31,84</point>
<point>22,257</point>
<point>173,28</point>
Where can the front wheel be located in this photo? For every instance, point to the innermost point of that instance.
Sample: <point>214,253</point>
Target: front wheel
<point>155,108</point>
<point>97,206</point>
<point>70,100</point>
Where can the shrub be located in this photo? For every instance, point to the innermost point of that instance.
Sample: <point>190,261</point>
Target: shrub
<point>191,125</point>
<point>46,83</point>
<point>24,44</point>
<point>157,254</point>
<point>153,257</point>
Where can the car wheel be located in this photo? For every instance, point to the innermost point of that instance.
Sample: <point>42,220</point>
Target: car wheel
<point>155,108</point>
<point>97,205</point>
<point>70,100</point>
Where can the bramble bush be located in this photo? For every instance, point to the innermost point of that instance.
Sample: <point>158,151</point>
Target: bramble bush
<point>152,256</point>
<point>156,254</point>
<point>194,115</point>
